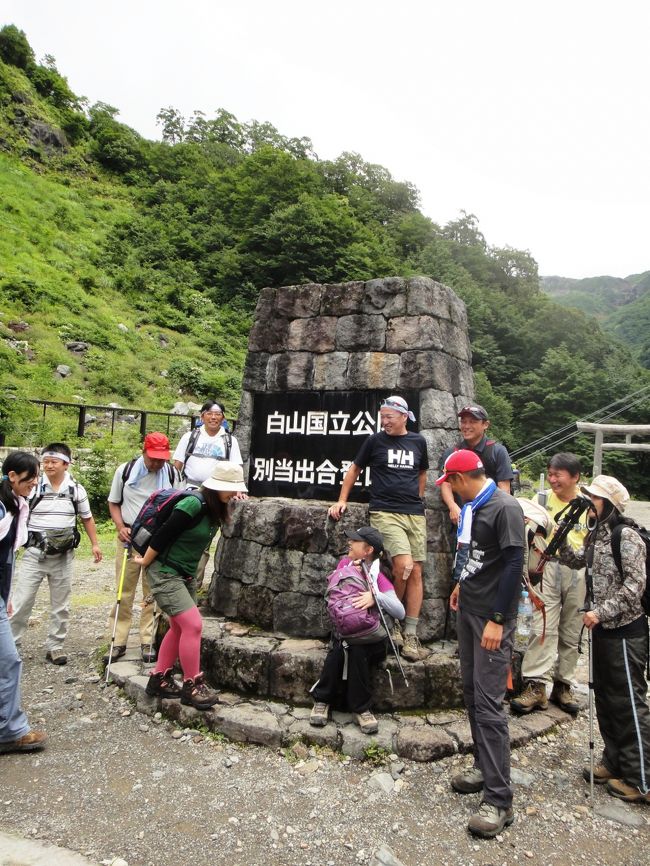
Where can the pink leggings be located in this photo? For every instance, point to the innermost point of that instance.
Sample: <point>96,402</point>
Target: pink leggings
<point>183,640</point>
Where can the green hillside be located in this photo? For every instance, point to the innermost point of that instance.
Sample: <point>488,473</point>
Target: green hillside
<point>152,254</point>
<point>622,306</point>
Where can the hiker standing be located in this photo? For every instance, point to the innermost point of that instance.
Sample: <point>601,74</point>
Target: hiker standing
<point>554,657</point>
<point>53,537</point>
<point>133,483</point>
<point>398,464</point>
<point>619,634</point>
<point>474,423</point>
<point>171,559</point>
<point>345,678</point>
<point>19,477</point>
<point>198,453</point>
<point>485,598</point>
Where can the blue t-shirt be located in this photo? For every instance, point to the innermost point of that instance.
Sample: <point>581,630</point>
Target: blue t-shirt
<point>395,464</point>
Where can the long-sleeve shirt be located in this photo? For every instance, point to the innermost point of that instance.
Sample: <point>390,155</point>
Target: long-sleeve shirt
<point>384,592</point>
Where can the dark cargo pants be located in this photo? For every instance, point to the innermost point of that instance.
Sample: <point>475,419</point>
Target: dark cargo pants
<point>620,690</point>
<point>484,675</point>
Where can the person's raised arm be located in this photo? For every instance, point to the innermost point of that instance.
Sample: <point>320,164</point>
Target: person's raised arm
<point>336,511</point>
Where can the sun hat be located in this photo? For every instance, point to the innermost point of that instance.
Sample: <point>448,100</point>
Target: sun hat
<point>536,514</point>
<point>609,488</point>
<point>226,476</point>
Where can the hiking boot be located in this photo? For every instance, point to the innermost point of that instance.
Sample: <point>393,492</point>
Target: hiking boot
<point>412,649</point>
<point>149,653</point>
<point>367,722</point>
<point>56,657</point>
<point>532,698</point>
<point>564,698</point>
<point>396,634</point>
<point>601,774</point>
<point>469,782</point>
<point>163,685</point>
<point>319,715</point>
<point>114,655</point>
<point>197,694</point>
<point>31,742</point>
<point>490,820</point>
<point>629,793</point>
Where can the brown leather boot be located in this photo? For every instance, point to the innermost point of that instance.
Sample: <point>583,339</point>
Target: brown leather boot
<point>532,698</point>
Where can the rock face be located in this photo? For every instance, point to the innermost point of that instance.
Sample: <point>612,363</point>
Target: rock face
<point>386,335</point>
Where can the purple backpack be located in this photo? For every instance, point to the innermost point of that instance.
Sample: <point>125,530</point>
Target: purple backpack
<point>353,625</point>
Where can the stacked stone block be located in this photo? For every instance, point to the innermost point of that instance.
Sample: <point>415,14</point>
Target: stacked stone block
<point>387,334</point>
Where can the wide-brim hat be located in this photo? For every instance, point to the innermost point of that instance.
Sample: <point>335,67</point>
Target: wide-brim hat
<point>537,514</point>
<point>226,476</point>
<point>607,487</point>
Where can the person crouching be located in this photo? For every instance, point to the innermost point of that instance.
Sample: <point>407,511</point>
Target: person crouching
<point>345,679</point>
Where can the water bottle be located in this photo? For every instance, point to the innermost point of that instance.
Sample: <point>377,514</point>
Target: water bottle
<point>524,617</point>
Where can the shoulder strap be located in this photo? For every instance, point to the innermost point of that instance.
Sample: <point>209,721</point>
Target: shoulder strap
<point>126,472</point>
<point>172,474</point>
<point>191,445</point>
<point>34,501</point>
<point>228,444</point>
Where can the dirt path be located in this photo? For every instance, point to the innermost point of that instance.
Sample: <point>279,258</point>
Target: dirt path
<point>114,783</point>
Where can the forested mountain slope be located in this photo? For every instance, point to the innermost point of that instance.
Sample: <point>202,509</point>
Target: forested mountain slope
<point>153,253</point>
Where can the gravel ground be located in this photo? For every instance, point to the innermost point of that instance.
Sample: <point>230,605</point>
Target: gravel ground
<point>115,783</point>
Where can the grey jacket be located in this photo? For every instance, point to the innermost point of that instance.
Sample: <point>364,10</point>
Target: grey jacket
<point>617,600</point>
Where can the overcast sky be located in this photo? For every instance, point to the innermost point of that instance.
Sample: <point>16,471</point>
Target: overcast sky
<point>532,115</point>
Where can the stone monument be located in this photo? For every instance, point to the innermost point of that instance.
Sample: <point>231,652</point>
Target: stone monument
<point>320,359</point>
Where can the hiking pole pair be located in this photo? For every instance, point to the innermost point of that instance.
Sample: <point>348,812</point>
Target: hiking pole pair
<point>120,586</point>
<point>386,629</point>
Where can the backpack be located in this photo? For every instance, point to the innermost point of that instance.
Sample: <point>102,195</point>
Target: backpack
<point>126,473</point>
<point>616,553</point>
<point>53,541</point>
<point>191,445</point>
<point>486,455</point>
<point>155,511</point>
<point>353,625</point>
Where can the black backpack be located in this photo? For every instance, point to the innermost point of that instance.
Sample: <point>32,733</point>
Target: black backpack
<point>643,533</point>
<point>191,445</point>
<point>156,511</point>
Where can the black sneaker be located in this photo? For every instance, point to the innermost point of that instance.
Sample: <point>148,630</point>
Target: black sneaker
<point>163,685</point>
<point>197,694</point>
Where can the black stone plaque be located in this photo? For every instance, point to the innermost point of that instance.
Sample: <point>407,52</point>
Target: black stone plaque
<point>302,443</point>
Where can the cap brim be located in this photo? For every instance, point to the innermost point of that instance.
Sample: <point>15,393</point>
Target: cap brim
<point>444,477</point>
<point>157,455</point>
<point>353,535</point>
<point>213,484</point>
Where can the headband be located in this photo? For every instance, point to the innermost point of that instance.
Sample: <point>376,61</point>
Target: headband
<point>57,455</point>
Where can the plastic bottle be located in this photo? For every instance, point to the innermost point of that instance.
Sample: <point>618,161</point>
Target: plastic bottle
<point>524,617</point>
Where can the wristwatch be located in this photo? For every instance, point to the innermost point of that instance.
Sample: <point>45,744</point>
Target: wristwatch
<point>498,618</point>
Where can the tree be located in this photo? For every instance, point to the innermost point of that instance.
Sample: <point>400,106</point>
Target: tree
<point>172,123</point>
<point>14,47</point>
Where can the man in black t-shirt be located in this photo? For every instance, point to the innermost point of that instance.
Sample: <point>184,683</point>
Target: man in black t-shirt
<point>398,464</point>
<point>486,598</point>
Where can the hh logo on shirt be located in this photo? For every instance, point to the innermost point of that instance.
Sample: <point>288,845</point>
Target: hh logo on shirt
<point>399,459</point>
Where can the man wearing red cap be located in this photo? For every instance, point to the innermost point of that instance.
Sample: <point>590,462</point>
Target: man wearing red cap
<point>491,524</point>
<point>133,483</point>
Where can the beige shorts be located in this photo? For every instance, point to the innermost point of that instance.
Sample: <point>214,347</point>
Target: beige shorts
<point>404,534</point>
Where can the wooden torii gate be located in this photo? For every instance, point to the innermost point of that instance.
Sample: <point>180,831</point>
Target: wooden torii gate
<point>627,430</point>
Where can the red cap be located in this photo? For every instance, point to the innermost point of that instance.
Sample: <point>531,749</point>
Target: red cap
<point>460,461</point>
<point>156,446</point>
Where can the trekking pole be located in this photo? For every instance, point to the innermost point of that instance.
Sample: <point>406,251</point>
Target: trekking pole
<point>117,610</point>
<point>591,720</point>
<point>385,624</point>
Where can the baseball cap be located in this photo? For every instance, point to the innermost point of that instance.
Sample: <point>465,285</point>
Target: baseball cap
<point>226,476</point>
<point>368,534</point>
<point>399,404</point>
<point>475,411</point>
<point>156,446</point>
<point>460,461</point>
<point>609,488</point>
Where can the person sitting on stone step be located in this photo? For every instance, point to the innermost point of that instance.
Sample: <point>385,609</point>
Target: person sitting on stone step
<point>345,679</point>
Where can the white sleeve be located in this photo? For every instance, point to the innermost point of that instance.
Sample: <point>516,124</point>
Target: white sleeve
<point>235,453</point>
<point>115,495</point>
<point>391,604</point>
<point>181,448</point>
<point>83,505</point>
